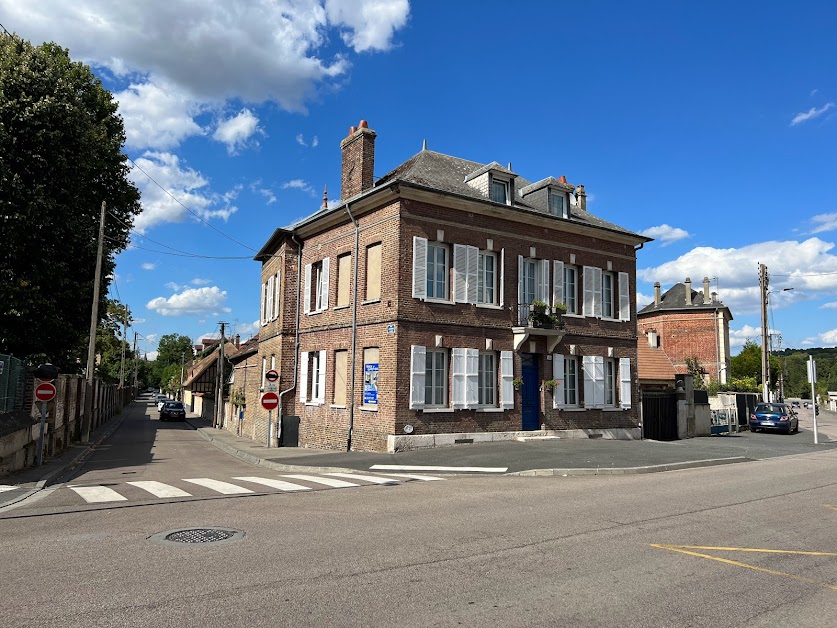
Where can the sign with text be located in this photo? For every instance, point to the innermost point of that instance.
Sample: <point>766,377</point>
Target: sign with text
<point>370,384</point>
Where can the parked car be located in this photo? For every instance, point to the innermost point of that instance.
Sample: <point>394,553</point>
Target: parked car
<point>161,399</point>
<point>173,410</point>
<point>774,416</point>
<point>795,404</point>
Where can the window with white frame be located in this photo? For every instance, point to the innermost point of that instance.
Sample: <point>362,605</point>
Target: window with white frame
<point>600,377</point>
<point>557,204</point>
<point>315,297</point>
<point>436,378</point>
<point>487,379</point>
<point>533,280</point>
<point>437,271</point>
<point>499,191</point>
<point>487,278</point>
<point>312,377</point>
<point>571,289</point>
<point>607,295</point>
<point>565,374</point>
<point>609,382</point>
<point>271,293</point>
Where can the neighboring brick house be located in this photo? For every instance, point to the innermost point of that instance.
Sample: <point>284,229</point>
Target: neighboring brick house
<point>419,310</point>
<point>245,364</point>
<point>200,379</point>
<point>685,323</point>
<point>656,372</point>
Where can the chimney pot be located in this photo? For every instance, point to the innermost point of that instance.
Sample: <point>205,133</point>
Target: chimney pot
<point>706,290</point>
<point>352,130</point>
<point>688,291</point>
<point>656,293</point>
<point>562,179</point>
<point>581,197</point>
<point>363,125</point>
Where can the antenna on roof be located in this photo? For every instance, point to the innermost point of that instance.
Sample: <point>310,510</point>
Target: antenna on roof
<point>424,144</point>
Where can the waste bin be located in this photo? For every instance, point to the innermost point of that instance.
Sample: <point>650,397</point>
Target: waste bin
<point>290,432</point>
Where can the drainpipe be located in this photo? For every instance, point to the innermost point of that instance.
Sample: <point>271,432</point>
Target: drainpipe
<point>354,331</point>
<point>296,336</point>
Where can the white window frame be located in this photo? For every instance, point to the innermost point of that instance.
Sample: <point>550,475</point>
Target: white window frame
<point>277,294</point>
<point>570,289</point>
<point>316,279</point>
<point>609,298</point>
<point>432,381</point>
<point>565,374</point>
<point>264,303</point>
<point>486,278</point>
<point>431,248</point>
<point>610,375</point>
<point>487,379</point>
<point>312,377</point>
<point>562,212</point>
<point>501,184</point>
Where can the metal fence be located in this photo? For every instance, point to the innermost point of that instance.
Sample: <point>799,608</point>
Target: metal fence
<point>12,374</point>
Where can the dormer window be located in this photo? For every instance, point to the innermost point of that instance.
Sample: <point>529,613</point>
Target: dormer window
<point>557,204</point>
<point>499,191</point>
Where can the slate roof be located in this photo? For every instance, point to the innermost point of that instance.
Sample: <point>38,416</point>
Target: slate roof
<point>652,363</point>
<point>675,299</point>
<point>444,173</point>
<point>196,370</point>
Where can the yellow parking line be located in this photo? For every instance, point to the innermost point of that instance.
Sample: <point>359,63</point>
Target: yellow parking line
<point>830,506</point>
<point>685,549</point>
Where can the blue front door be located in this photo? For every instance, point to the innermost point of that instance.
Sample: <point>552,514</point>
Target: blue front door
<point>530,391</point>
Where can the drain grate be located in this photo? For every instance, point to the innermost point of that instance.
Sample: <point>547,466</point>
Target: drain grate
<point>193,536</point>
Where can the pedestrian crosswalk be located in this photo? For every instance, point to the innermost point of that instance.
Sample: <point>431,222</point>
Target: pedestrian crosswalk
<point>241,485</point>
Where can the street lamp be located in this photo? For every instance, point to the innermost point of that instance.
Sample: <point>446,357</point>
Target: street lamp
<point>766,340</point>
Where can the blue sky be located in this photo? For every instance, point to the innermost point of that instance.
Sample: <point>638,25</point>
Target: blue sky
<point>710,126</point>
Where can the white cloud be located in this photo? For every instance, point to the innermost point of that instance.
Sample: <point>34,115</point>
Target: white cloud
<point>149,265</point>
<point>829,337</point>
<point>194,54</point>
<point>138,321</point>
<point>315,142</point>
<point>298,184</point>
<point>826,222</point>
<point>188,186</point>
<point>666,234</point>
<point>191,301</point>
<point>737,337</point>
<point>808,342</point>
<point>157,115</point>
<point>174,287</point>
<point>152,355</point>
<point>197,281</point>
<point>811,114</point>
<point>300,139</point>
<point>643,299</point>
<point>804,266</point>
<point>237,130</point>
<point>248,330</point>
<point>150,337</point>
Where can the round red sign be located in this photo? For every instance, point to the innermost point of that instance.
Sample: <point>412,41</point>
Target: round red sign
<point>270,400</point>
<point>44,392</point>
<point>272,375</point>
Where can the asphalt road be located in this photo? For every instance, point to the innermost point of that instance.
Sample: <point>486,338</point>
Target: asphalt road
<point>707,547</point>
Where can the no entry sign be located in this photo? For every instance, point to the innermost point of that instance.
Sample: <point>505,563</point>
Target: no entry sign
<point>270,400</point>
<point>272,375</point>
<point>44,392</point>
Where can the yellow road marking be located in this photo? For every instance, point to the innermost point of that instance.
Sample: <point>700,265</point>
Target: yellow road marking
<point>830,506</point>
<point>686,549</point>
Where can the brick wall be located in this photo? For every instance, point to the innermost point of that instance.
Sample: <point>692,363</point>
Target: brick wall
<point>685,334</point>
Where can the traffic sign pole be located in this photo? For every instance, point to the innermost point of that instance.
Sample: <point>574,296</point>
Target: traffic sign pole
<point>269,427</point>
<point>41,438</point>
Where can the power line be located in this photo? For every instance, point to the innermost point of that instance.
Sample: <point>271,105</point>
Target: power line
<point>185,254</point>
<point>176,200</point>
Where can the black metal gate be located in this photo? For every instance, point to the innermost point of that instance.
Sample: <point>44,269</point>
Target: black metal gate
<point>659,415</point>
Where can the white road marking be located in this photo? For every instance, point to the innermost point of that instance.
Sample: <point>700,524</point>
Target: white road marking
<point>6,487</point>
<point>410,476</point>
<point>222,487</point>
<point>373,479</point>
<point>282,486</point>
<point>158,489</point>
<point>95,494</point>
<point>321,480</point>
<point>407,467</point>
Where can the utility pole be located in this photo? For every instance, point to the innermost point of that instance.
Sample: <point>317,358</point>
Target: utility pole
<point>136,364</point>
<point>764,280</point>
<point>122,361</point>
<point>182,367</point>
<point>91,344</point>
<point>219,404</point>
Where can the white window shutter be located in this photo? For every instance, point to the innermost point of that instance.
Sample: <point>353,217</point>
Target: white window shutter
<point>506,377</point>
<point>589,371</point>
<point>306,296</point>
<point>587,307</point>
<point>420,272</point>
<point>472,371</point>
<point>597,292</point>
<point>325,284</point>
<point>473,267</point>
<point>520,280</point>
<point>264,294</point>
<point>269,304</point>
<point>321,376</point>
<point>557,283</point>
<point>624,297</point>
<point>417,369</point>
<point>598,370</point>
<point>277,295</point>
<point>543,281</point>
<point>458,357</point>
<point>303,375</point>
<point>625,382</point>
<point>502,276</point>
<point>460,273</point>
<point>558,376</point>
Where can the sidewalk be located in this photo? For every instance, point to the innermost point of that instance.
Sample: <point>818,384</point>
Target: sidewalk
<point>539,456</point>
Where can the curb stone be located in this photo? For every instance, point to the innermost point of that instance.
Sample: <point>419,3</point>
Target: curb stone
<point>657,468</point>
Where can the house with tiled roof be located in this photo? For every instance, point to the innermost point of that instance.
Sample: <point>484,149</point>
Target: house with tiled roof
<point>448,301</point>
<point>685,323</point>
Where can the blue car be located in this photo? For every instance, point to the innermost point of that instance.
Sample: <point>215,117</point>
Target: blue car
<point>774,416</point>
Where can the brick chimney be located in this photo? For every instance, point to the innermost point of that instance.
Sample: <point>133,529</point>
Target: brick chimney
<point>706,298</point>
<point>581,197</point>
<point>358,161</point>
<point>656,293</point>
<point>688,291</point>
<point>237,341</point>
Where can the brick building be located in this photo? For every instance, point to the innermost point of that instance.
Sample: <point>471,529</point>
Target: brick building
<point>422,309</point>
<point>685,323</point>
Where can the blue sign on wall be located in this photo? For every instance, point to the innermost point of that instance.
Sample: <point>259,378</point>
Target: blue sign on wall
<point>370,384</point>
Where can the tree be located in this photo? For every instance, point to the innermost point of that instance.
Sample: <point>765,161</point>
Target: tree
<point>172,348</point>
<point>695,369</point>
<point>748,362</point>
<point>60,156</point>
<point>110,342</point>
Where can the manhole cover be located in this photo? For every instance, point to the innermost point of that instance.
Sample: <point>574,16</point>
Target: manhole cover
<point>193,536</point>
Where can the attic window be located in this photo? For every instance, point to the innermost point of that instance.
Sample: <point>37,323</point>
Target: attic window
<point>557,204</point>
<point>499,191</point>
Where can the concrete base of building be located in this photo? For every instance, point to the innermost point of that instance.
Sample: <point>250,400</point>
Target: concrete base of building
<point>396,443</point>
